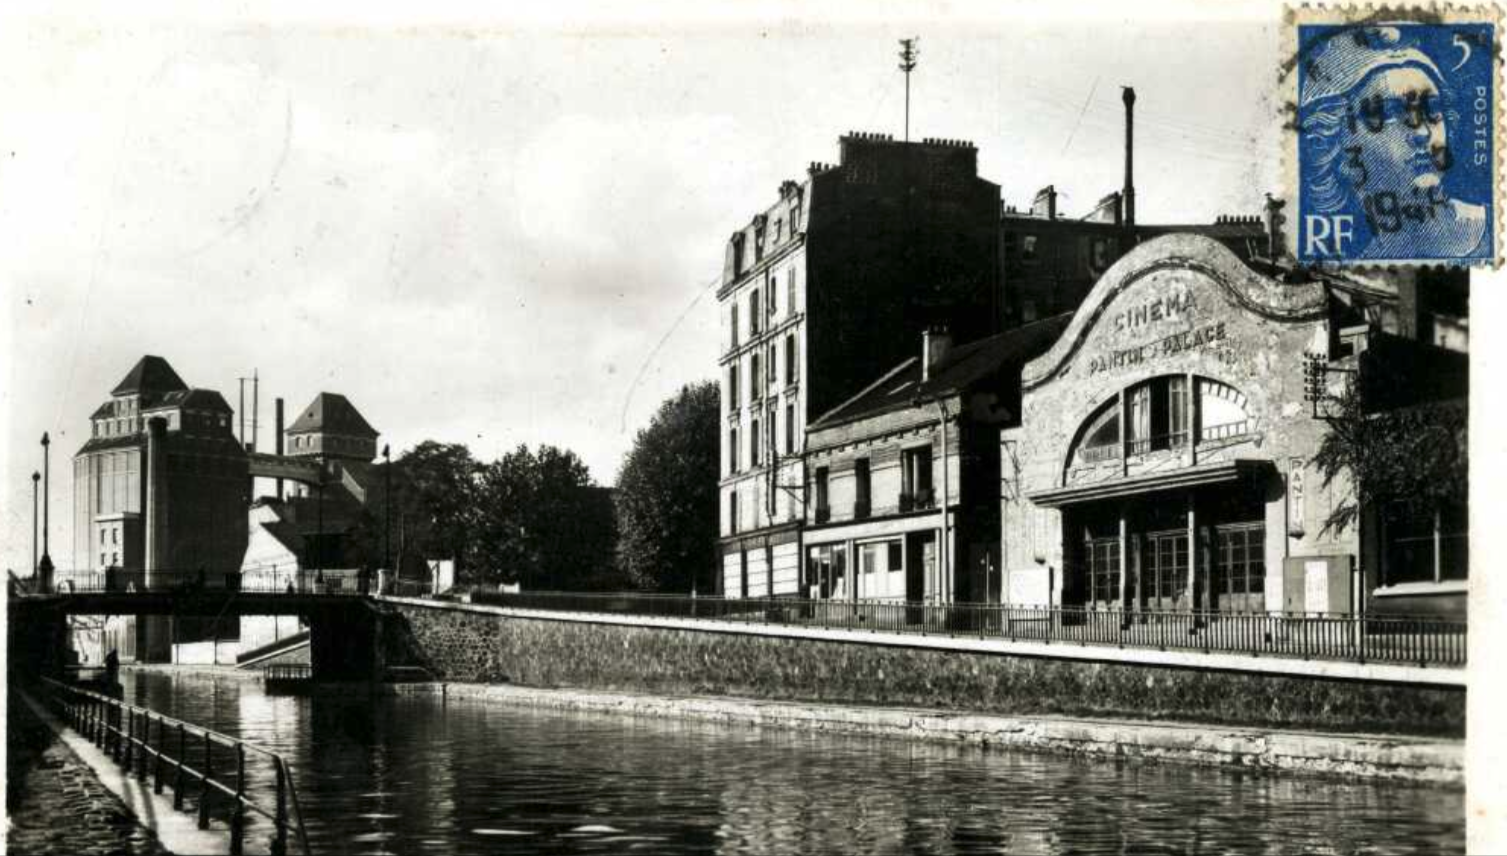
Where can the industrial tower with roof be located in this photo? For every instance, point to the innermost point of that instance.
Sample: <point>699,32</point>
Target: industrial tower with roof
<point>160,487</point>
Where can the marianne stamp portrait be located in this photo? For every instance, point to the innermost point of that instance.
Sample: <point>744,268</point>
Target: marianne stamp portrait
<point>1395,126</point>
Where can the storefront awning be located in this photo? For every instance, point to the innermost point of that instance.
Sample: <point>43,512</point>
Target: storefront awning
<point>1186,477</point>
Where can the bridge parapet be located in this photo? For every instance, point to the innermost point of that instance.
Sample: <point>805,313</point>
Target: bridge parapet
<point>348,581</point>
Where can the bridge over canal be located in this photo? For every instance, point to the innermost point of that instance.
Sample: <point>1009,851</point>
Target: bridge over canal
<point>345,623</point>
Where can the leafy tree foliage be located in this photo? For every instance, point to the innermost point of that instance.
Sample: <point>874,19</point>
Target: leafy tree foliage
<point>541,522</point>
<point>433,501</point>
<point>1414,455</point>
<point>667,495</point>
<point>436,507</point>
<point>532,517</point>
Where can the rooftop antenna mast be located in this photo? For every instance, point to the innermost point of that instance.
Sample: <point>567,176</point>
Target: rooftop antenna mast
<point>908,54</point>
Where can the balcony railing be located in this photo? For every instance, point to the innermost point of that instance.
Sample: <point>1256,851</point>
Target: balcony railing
<point>1157,442</point>
<point>918,501</point>
<point>1420,641</point>
<point>1095,454</point>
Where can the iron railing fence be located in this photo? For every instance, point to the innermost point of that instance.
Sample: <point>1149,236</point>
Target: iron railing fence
<point>342,581</point>
<point>409,588</point>
<point>212,771</point>
<point>1414,640</point>
<point>288,672</point>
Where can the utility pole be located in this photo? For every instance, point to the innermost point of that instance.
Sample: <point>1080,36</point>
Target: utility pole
<point>256,399</point>
<point>908,54</point>
<point>240,413</point>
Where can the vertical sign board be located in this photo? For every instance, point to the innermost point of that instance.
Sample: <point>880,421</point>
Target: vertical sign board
<point>1295,498</point>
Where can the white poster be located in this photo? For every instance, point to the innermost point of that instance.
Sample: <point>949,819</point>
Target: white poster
<point>1316,586</point>
<point>1030,587</point>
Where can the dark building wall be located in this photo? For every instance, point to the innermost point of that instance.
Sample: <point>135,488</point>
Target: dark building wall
<point>463,645</point>
<point>900,236</point>
<point>1049,265</point>
<point>208,487</point>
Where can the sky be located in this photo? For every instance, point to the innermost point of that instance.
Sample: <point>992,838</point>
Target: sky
<point>499,231</point>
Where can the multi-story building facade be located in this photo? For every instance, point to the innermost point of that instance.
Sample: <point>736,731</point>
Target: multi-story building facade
<point>828,285</point>
<point>905,475</point>
<point>161,486</point>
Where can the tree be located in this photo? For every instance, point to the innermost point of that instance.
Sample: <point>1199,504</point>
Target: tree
<point>434,488</point>
<point>542,523</point>
<point>1415,456</point>
<point>667,495</point>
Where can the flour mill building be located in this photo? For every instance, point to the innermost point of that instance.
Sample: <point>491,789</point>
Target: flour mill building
<point>1164,458</point>
<point>159,488</point>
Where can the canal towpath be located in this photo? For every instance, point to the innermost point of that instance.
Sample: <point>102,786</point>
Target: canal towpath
<point>56,803</point>
<point>66,796</point>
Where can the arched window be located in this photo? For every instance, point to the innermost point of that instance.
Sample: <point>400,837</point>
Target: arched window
<point>1099,440</point>
<point>1159,415</point>
<point>1222,411</point>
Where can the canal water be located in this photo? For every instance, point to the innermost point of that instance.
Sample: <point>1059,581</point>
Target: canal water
<point>419,775</point>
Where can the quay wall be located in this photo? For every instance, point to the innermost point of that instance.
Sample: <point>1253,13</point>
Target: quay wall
<point>472,644</point>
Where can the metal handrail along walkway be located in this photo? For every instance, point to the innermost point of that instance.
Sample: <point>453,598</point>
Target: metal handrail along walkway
<point>125,732</point>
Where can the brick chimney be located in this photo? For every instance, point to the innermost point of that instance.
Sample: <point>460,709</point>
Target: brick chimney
<point>1128,194</point>
<point>936,342</point>
<point>1045,203</point>
<point>1276,247</point>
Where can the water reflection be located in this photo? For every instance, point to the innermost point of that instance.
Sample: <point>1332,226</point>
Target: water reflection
<point>417,775</point>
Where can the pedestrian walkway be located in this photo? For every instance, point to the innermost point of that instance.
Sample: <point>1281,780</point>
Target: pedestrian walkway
<point>55,803</point>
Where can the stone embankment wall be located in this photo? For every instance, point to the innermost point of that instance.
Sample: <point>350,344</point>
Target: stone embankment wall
<point>465,645</point>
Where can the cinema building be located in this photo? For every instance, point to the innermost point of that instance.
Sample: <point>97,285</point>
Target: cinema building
<point>1163,458</point>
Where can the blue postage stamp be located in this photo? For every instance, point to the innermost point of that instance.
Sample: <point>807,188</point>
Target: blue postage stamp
<point>1396,130</point>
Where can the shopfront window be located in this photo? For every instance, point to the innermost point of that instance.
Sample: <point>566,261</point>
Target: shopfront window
<point>1104,569</point>
<point>1427,546</point>
<point>1166,572</point>
<point>826,572</point>
<point>1240,559</point>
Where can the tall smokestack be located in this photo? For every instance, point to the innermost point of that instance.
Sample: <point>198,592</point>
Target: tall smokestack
<point>1128,96</point>
<point>277,442</point>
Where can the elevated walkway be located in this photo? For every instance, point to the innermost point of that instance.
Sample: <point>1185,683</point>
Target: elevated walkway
<point>301,470</point>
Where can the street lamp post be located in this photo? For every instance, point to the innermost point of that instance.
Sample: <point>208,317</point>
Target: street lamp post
<point>387,510</point>
<point>36,478</point>
<point>44,567</point>
<point>46,483</point>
